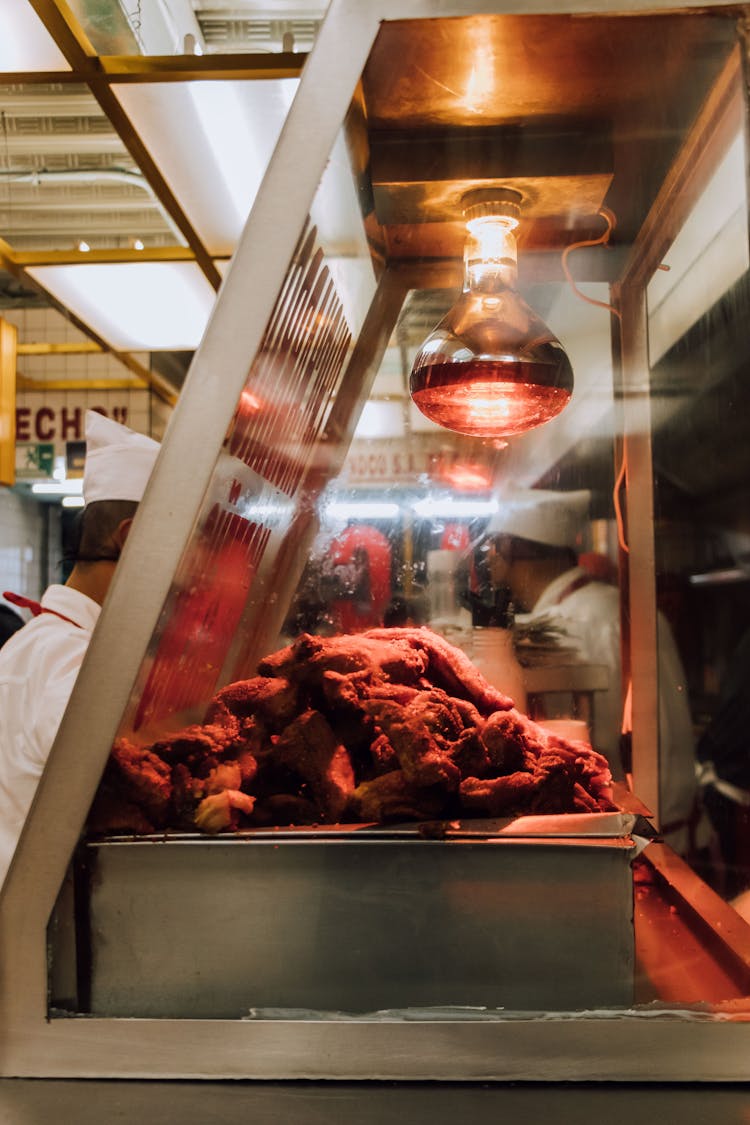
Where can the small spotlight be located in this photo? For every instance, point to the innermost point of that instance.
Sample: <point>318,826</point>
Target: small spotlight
<point>83,246</point>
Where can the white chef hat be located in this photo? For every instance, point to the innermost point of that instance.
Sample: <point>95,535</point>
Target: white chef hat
<point>118,460</point>
<point>557,519</point>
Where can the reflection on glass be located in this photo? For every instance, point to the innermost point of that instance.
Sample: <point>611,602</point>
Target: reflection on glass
<point>291,685</point>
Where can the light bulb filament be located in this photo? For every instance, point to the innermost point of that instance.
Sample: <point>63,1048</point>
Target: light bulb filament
<point>490,253</point>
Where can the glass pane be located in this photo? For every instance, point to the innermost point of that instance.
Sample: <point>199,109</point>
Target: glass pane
<point>698,306</point>
<point>417,681</point>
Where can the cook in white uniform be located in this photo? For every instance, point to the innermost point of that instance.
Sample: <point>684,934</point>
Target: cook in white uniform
<point>537,536</point>
<point>40,663</point>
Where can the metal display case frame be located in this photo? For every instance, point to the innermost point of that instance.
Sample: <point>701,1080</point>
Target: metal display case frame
<point>592,1046</point>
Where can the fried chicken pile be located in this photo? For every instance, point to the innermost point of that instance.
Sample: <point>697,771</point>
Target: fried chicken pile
<point>381,726</point>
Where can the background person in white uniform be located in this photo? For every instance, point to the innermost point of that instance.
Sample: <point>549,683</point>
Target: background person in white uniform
<point>40,663</point>
<point>537,536</point>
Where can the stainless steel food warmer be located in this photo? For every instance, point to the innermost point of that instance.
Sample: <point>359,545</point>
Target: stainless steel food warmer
<point>464,952</point>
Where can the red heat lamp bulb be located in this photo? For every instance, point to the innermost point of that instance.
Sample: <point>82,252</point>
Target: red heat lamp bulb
<point>491,368</point>
<point>489,398</point>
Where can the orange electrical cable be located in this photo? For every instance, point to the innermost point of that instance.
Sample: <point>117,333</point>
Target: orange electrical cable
<point>603,239</point>
<point>610,219</point>
<point>616,502</point>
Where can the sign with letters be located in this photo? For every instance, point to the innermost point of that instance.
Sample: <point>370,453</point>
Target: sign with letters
<point>46,423</point>
<point>50,426</point>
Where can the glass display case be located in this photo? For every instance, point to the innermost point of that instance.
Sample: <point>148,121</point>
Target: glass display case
<point>421,752</point>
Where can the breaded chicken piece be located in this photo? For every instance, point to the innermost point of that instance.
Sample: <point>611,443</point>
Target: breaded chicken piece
<point>311,749</point>
<point>498,796</point>
<point>274,701</point>
<point>390,797</point>
<point>386,657</point>
<point>422,758</point>
<point>513,742</point>
<point>140,778</point>
<point>196,741</point>
<point>447,667</point>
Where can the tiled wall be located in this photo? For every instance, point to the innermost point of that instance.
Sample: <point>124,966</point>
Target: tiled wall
<point>49,325</point>
<point>30,544</point>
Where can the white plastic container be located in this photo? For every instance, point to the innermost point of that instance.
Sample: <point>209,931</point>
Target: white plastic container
<point>494,655</point>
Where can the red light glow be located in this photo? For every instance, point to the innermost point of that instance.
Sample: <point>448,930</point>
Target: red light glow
<point>487,399</point>
<point>466,477</point>
<point>249,403</point>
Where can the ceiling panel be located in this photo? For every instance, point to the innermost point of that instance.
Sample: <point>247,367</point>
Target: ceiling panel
<point>66,175</point>
<point>25,43</point>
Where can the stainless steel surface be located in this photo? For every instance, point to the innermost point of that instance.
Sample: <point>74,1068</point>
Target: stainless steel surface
<point>215,929</point>
<point>442,124</point>
<point>275,1103</point>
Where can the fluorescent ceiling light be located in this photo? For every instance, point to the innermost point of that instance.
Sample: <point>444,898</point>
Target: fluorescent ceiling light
<point>448,507</point>
<point>364,510</point>
<point>58,487</point>
<point>73,502</point>
<point>212,142</point>
<point>135,306</point>
<point>25,43</point>
<point>230,140</point>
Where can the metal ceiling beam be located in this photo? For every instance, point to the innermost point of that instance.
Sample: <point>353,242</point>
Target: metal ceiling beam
<point>159,385</point>
<point>190,68</point>
<point>115,69</point>
<point>118,255</point>
<point>85,347</point>
<point>26,383</point>
<point>75,46</point>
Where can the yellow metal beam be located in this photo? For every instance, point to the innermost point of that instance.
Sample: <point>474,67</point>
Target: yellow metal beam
<point>25,383</point>
<point>85,347</point>
<point>26,258</point>
<point>119,69</point>
<point>189,68</point>
<point>8,337</point>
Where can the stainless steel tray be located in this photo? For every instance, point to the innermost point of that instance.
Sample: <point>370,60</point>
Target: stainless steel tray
<point>354,919</point>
